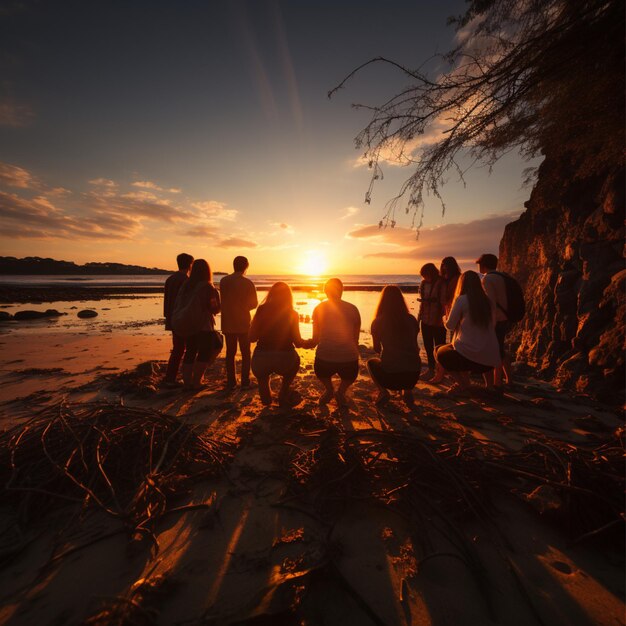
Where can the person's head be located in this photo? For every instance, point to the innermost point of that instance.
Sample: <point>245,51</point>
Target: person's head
<point>392,304</point>
<point>200,272</point>
<point>184,261</point>
<point>449,268</point>
<point>333,289</point>
<point>279,297</point>
<point>479,304</point>
<point>487,263</point>
<point>240,264</point>
<point>429,272</point>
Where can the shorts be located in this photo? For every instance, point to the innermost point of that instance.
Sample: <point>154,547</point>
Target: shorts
<point>281,362</point>
<point>396,381</point>
<point>454,361</point>
<point>347,371</point>
<point>502,328</point>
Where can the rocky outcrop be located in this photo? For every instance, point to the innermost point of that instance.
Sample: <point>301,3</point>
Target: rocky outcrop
<point>567,251</point>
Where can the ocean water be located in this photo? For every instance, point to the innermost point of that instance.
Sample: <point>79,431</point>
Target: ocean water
<point>144,315</point>
<point>262,281</point>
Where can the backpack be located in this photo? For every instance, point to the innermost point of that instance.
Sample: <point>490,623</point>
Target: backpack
<point>516,306</point>
<point>189,315</point>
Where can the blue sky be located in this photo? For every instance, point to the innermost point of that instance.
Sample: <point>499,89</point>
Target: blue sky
<point>131,131</point>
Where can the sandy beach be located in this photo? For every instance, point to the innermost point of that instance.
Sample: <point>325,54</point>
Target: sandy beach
<point>472,510</point>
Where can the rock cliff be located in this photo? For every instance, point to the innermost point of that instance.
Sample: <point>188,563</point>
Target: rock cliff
<point>567,251</point>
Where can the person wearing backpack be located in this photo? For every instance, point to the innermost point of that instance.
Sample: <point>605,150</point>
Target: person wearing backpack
<point>194,318</point>
<point>497,288</point>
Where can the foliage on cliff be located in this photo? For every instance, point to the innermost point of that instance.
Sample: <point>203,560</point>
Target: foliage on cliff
<point>536,75</point>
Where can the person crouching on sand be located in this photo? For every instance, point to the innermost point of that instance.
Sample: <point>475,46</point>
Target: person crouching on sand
<point>276,331</point>
<point>474,346</point>
<point>394,332</point>
<point>172,287</point>
<point>200,351</point>
<point>336,327</point>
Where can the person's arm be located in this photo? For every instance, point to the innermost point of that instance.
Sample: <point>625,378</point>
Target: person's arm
<point>357,326</point>
<point>255,329</point>
<point>295,332</point>
<point>376,336</point>
<point>454,317</point>
<point>215,305</point>
<point>253,301</point>
<point>315,339</point>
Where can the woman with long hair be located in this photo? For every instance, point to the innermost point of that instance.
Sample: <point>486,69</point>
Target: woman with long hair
<point>449,272</point>
<point>431,314</point>
<point>276,331</point>
<point>474,346</point>
<point>394,332</point>
<point>202,299</point>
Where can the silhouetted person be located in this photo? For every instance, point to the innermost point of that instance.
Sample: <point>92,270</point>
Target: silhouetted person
<point>474,346</point>
<point>172,287</point>
<point>276,331</point>
<point>336,327</point>
<point>449,272</point>
<point>200,351</point>
<point>431,314</point>
<point>394,332</point>
<point>238,299</point>
<point>495,287</point>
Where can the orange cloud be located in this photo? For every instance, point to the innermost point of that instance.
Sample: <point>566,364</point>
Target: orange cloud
<point>14,176</point>
<point>235,242</point>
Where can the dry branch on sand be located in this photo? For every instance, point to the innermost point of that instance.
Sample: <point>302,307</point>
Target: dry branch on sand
<point>128,462</point>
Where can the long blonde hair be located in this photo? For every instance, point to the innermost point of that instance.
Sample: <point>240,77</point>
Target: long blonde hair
<point>480,307</point>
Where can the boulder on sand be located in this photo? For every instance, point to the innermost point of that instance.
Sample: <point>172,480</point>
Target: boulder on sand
<point>36,315</point>
<point>87,313</point>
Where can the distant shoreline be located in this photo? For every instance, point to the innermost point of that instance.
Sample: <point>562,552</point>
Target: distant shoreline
<point>55,293</point>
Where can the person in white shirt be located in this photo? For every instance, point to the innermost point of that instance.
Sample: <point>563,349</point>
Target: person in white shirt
<point>474,346</point>
<point>336,328</point>
<point>238,295</point>
<point>495,288</point>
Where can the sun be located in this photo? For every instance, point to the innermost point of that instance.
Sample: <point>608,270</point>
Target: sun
<point>313,263</point>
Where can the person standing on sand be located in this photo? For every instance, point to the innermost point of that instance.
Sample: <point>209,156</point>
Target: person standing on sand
<point>172,287</point>
<point>450,272</point>
<point>276,331</point>
<point>394,332</point>
<point>238,295</point>
<point>336,327</point>
<point>200,351</point>
<point>474,346</point>
<point>431,314</point>
<point>495,288</point>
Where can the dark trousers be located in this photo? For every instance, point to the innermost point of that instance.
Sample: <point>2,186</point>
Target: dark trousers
<point>232,339</point>
<point>178,349</point>
<point>432,336</point>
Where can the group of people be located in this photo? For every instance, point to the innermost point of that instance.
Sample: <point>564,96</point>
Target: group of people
<point>472,308</point>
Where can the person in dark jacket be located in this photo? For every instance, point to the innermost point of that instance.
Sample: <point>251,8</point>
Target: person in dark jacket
<point>431,314</point>
<point>172,287</point>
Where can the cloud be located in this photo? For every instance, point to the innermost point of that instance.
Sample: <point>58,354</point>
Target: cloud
<point>103,182</point>
<point>200,231</point>
<point>466,242</point>
<point>349,212</point>
<point>146,184</point>
<point>140,195</point>
<point>14,176</point>
<point>14,114</point>
<point>282,227</point>
<point>174,190</point>
<point>235,242</point>
<point>215,210</point>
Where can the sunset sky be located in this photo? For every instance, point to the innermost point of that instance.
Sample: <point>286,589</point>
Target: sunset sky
<point>132,131</point>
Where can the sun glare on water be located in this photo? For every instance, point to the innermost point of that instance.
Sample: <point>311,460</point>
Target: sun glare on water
<point>313,263</point>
